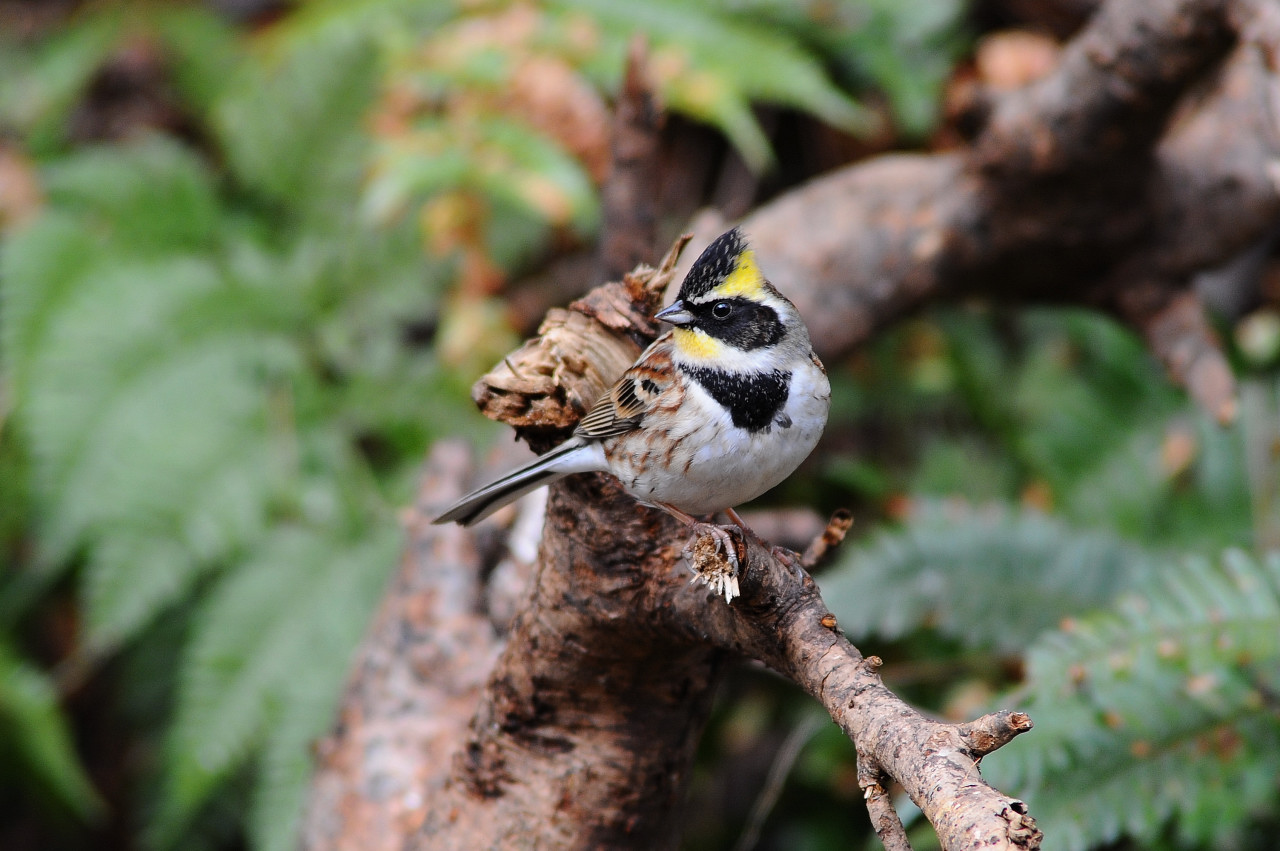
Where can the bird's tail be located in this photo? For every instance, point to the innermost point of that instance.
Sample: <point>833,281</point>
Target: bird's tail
<point>570,457</point>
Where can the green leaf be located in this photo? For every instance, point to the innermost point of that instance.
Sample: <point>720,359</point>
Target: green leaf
<point>499,158</point>
<point>990,577</point>
<point>38,94</point>
<point>1073,402</point>
<point>203,50</point>
<point>906,48</point>
<point>19,586</point>
<point>144,402</point>
<point>269,653</point>
<point>291,126</point>
<point>963,465</point>
<point>1156,713</point>
<point>149,435</point>
<point>394,24</point>
<point>718,65</point>
<point>35,736</point>
<point>149,196</point>
<point>41,265</point>
<point>1202,509</point>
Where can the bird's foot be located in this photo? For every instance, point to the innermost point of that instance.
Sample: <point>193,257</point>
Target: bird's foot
<point>717,572</point>
<point>789,559</point>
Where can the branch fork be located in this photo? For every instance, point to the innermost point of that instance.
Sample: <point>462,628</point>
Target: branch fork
<point>782,620</point>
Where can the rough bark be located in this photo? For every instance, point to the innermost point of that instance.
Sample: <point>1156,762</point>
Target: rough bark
<point>1147,156</point>
<point>417,680</point>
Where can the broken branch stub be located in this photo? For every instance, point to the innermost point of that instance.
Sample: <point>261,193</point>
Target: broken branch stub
<point>544,387</point>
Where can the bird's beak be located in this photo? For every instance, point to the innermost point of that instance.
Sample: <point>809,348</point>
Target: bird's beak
<point>675,314</point>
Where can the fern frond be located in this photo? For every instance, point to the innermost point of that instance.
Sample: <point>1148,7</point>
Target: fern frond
<point>148,434</point>
<point>37,95</point>
<point>36,739</point>
<point>41,265</point>
<point>1086,413</point>
<point>1162,711</point>
<point>270,650</point>
<point>991,577</point>
<point>290,129</point>
<point>492,156</point>
<point>151,196</point>
<point>717,61</point>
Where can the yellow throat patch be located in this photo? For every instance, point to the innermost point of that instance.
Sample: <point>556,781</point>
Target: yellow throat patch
<point>697,345</point>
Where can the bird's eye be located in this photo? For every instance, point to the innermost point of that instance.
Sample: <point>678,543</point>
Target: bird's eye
<point>721,310</point>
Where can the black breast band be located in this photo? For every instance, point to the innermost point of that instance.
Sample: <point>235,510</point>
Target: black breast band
<point>753,400</point>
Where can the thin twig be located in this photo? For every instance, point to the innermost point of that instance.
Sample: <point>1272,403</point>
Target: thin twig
<point>884,817</point>
<point>629,233</point>
<point>783,761</point>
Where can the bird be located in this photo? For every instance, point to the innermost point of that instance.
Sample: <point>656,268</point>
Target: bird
<point>715,412</point>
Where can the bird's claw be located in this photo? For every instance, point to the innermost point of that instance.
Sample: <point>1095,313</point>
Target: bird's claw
<point>718,574</point>
<point>790,560</point>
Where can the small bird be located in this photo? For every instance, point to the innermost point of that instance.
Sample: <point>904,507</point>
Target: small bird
<point>714,413</point>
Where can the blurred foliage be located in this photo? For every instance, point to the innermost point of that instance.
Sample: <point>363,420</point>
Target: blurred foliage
<point>1071,548</point>
<point>904,50</point>
<point>921,573</point>
<point>195,387</point>
<point>36,742</point>
<point>235,312</point>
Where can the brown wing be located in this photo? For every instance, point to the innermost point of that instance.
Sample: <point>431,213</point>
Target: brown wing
<point>623,407</point>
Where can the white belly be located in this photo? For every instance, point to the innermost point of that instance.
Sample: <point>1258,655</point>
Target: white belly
<point>730,465</point>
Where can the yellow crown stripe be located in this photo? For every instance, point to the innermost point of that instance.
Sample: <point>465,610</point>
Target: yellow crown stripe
<point>745,280</point>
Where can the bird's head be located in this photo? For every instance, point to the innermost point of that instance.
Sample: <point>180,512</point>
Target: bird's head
<point>727,312</point>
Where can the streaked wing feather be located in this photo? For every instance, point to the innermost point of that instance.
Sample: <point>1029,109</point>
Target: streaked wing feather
<point>623,408</point>
<point>616,412</point>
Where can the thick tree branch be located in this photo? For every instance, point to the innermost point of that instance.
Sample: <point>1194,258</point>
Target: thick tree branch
<point>414,687</point>
<point>1143,153</point>
<point>1107,102</point>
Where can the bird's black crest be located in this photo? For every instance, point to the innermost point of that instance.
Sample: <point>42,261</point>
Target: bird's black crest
<point>713,265</point>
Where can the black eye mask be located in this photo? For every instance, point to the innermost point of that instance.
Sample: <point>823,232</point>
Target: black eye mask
<point>740,322</point>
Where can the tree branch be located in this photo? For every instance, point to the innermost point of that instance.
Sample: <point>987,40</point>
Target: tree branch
<point>415,685</point>
<point>1131,157</point>
<point>782,621</point>
<point>630,231</point>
